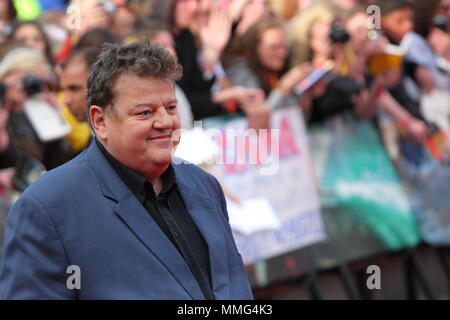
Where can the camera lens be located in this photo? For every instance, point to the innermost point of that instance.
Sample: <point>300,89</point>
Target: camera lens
<point>32,85</point>
<point>338,34</point>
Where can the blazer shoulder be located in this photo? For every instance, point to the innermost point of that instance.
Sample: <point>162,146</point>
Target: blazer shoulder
<point>61,179</point>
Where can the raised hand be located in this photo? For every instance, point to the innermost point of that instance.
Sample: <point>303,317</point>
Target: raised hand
<point>425,79</point>
<point>417,130</point>
<point>293,77</point>
<point>238,93</point>
<point>215,34</point>
<point>235,8</point>
<point>252,102</point>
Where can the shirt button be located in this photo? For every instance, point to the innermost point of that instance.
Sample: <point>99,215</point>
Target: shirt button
<point>175,235</point>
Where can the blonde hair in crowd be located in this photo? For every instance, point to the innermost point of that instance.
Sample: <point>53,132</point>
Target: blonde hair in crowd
<point>23,60</point>
<point>299,27</point>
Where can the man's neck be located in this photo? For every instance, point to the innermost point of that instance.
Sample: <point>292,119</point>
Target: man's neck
<point>157,185</point>
<point>154,177</point>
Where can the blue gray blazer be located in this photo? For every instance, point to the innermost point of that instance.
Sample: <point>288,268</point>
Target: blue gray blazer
<point>83,214</point>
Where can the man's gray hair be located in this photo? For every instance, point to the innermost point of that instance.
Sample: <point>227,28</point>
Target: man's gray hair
<point>144,59</point>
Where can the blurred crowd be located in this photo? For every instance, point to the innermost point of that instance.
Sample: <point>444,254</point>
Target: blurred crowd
<point>238,56</point>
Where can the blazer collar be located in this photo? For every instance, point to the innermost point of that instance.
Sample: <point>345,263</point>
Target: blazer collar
<point>141,224</point>
<point>208,221</point>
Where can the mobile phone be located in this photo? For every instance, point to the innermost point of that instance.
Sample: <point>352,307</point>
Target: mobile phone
<point>28,170</point>
<point>313,78</point>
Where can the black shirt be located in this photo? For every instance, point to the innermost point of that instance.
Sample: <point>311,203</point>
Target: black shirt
<point>170,214</point>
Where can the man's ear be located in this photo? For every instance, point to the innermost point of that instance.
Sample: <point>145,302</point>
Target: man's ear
<point>98,121</point>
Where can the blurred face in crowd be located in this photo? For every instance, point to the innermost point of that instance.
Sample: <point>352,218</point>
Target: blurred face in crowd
<point>204,9</point>
<point>319,41</point>
<point>165,40</point>
<point>357,28</point>
<point>4,10</point>
<point>137,128</point>
<point>397,23</point>
<point>444,8</point>
<point>73,81</point>
<point>30,36</point>
<point>123,22</point>
<point>272,51</point>
<point>185,12</point>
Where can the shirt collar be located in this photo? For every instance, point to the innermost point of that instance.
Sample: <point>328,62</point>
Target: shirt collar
<point>136,182</point>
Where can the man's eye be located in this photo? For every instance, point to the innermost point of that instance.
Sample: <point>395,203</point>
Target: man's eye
<point>144,114</point>
<point>171,108</point>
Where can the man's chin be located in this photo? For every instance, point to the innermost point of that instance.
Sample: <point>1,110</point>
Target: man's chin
<point>163,158</point>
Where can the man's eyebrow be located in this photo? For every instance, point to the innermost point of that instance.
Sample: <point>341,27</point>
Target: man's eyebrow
<point>152,105</point>
<point>74,86</point>
<point>175,101</point>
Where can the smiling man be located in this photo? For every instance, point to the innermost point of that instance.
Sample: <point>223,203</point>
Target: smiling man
<point>127,220</point>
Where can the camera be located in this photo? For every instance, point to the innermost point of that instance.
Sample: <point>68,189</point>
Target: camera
<point>338,34</point>
<point>32,85</point>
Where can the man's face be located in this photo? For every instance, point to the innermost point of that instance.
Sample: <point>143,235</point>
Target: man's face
<point>73,82</point>
<point>398,23</point>
<point>139,129</point>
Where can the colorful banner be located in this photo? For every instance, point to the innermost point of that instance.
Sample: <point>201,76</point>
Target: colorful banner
<point>276,167</point>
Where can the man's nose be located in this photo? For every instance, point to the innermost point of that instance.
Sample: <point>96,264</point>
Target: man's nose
<point>163,120</point>
<point>67,99</point>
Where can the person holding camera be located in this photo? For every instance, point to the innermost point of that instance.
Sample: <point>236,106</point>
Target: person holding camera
<point>25,72</point>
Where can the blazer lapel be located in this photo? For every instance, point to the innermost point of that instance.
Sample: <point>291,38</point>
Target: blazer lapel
<point>140,223</point>
<point>207,221</point>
